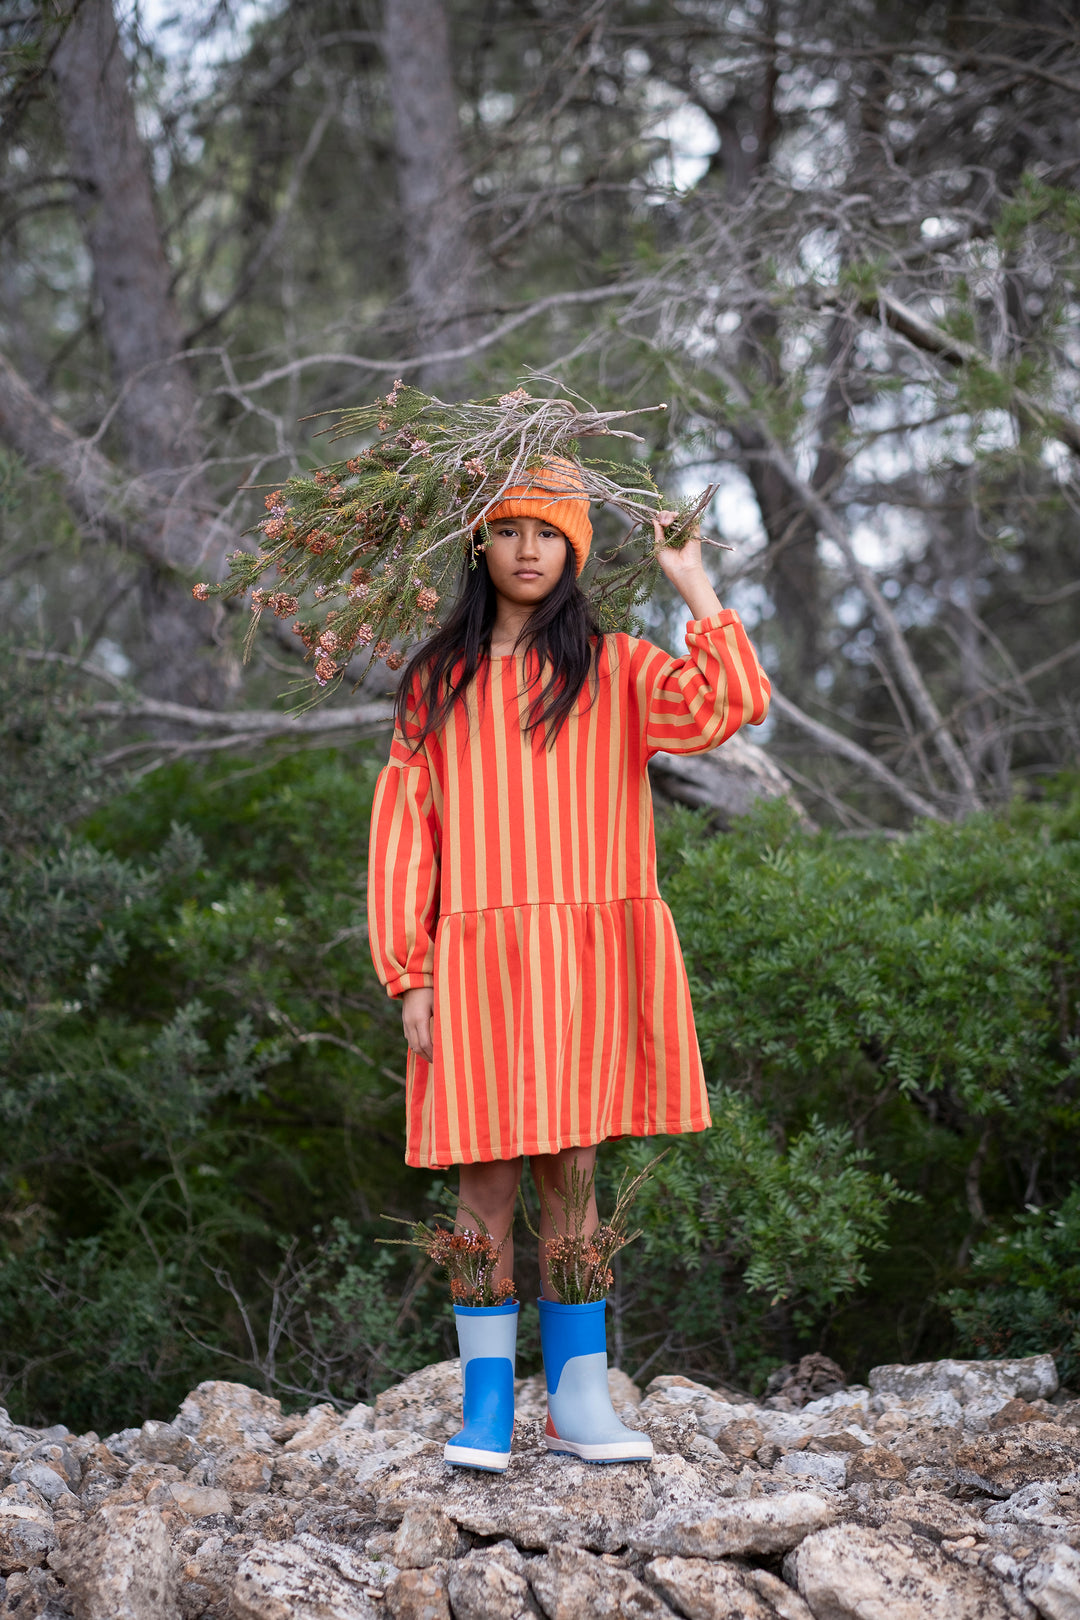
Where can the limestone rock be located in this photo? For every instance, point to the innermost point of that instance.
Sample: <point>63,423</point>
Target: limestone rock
<point>1002,1463</point>
<point>571,1583</point>
<point>672,1399</point>
<point>541,1499</point>
<point>785,1603</point>
<point>740,1438</point>
<point>530,1401</point>
<point>58,1455</point>
<point>677,1483</point>
<point>790,1388</point>
<point>1020,1411</point>
<point>197,1501</point>
<point>425,1535</point>
<point>319,1424</point>
<point>826,1470</point>
<point>704,1590</point>
<point>27,1536</point>
<point>243,1471</point>
<point>764,1524</point>
<point>1041,1504</point>
<point>165,1443</point>
<point>936,1518</point>
<point>428,1402</point>
<point>418,1594</point>
<point>305,1579</point>
<point>119,1565</point>
<point>224,1417</point>
<point>45,1480</point>
<point>340,1442</point>
<point>491,1584</point>
<point>1029,1377</point>
<point>1053,1584</point>
<point>851,1573</point>
<point>878,1499</point>
<point>876,1462</point>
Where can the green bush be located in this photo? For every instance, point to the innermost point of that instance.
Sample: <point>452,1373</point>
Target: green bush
<point>1025,1293</point>
<point>922,992</point>
<point>198,1066</point>
<point>745,1246</point>
<point>202,1104</point>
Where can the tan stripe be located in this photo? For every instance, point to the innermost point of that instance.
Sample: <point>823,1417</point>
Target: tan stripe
<point>530,830</point>
<point>497,851</point>
<point>541,1067</point>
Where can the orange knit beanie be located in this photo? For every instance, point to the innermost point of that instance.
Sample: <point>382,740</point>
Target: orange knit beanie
<point>554,494</point>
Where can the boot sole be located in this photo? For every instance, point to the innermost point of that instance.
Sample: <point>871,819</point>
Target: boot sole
<point>615,1451</point>
<point>489,1462</point>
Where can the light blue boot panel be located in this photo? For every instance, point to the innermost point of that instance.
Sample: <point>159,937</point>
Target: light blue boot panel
<point>581,1420</point>
<point>581,1406</point>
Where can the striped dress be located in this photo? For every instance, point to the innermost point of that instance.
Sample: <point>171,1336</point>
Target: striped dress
<point>520,882</point>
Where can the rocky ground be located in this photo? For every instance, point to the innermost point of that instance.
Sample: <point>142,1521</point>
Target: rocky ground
<point>946,1490</point>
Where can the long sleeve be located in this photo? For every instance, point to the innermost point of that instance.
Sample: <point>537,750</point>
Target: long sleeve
<point>697,702</point>
<point>403,873</point>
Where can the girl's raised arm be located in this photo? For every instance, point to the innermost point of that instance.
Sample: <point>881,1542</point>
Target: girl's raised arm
<point>696,703</point>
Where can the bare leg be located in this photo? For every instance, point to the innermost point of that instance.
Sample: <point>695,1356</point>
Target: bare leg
<point>549,1170</point>
<point>489,1191</point>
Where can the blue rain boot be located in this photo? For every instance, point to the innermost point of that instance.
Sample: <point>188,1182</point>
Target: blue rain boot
<point>487,1337</point>
<point>581,1419</point>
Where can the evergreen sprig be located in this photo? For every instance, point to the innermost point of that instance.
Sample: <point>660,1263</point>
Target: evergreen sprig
<point>364,549</point>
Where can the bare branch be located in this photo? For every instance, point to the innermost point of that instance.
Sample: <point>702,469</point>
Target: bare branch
<point>437,357</point>
<point>924,335</point>
<point>836,743</point>
<point>250,724</point>
<point>906,667</point>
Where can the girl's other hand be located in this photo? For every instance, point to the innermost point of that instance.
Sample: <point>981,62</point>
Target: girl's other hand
<point>418,1021</point>
<point>684,568</point>
<point>676,564</point>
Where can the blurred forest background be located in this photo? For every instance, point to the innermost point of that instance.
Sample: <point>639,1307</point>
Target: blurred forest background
<point>842,243</point>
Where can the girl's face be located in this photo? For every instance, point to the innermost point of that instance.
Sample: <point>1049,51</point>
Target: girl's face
<point>525,557</point>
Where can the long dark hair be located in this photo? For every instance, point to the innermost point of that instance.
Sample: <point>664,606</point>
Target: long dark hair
<point>562,638</point>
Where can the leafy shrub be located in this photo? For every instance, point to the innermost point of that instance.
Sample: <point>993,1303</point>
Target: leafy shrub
<point>734,1227</point>
<point>201,1090</point>
<point>195,1061</point>
<point>1024,1297</point>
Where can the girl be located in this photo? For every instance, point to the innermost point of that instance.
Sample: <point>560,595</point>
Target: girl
<point>514,909</point>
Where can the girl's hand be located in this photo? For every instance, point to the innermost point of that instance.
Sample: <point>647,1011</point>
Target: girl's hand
<point>684,568</point>
<point>418,1021</point>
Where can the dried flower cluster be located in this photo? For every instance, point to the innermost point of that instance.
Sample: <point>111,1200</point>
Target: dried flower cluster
<point>579,1261</point>
<point>469,1258</point>
<point>381,535</point>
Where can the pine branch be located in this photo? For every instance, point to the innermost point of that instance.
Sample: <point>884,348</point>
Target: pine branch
<point>373,543</point>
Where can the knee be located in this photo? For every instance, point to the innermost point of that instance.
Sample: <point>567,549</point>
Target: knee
<point>490,1189</point>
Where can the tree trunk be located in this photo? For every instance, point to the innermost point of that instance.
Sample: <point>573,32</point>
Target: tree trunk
<point>441,269</point>
<point>157,405</point>
<point>115,202</point>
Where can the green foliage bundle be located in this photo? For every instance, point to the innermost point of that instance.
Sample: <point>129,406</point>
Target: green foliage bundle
<point>579,1260</point>
<point>374,542</point>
